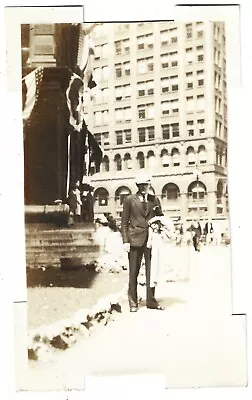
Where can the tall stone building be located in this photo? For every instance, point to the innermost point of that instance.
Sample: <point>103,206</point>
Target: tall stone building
<point>160,104</point>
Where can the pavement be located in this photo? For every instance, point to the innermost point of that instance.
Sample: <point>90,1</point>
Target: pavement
<point>195,342</point>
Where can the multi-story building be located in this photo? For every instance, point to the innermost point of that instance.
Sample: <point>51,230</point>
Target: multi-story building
<point>161,105</point>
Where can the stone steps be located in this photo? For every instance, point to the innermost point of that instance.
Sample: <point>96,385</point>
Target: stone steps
<point>46,246</point>
<point>62,249</point>
<point>42,227</point>
<point>58,241</point>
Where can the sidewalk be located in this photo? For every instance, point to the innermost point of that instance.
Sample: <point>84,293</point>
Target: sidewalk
<point>195,342</point>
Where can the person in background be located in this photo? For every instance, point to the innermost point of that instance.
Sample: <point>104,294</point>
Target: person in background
<point>74,202</point>
<point>208,231</point>
<point>87,207</point>
<point>138,209</point>
<point>179,233</point>
<point>196,232</point>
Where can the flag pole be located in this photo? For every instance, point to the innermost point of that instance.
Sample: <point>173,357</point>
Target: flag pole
<point>68,165</point>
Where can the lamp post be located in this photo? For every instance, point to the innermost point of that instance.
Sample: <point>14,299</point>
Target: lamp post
<point>197,174</point>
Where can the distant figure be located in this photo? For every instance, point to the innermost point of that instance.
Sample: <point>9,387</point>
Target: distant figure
<point>208,231</point>
<point>87,207</point>
<point>179,234</point>
<point>196,232</point>
<point>217,235</point>
<point>74,202</point>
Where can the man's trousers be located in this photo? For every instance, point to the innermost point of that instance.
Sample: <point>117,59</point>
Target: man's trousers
<point>135,258</point>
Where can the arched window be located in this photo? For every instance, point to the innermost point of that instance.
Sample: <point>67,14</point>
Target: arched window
<point>118,162</point>
<point>175,157</point>
<point>151,160</point>
<point>101,196</point>
<point>170,191</point>
<point>191,156</point>
<point>202,155</point>
<point>105,164</point>
<point>141,160</point>
<point>197,191</point>
<point>164,158</point>
<point>127,161</point>
<point>121,193</point>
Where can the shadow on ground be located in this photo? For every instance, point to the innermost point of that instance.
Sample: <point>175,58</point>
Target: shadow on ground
<point>166,302</point>
<point>171,301</point>
<point>56,277</point>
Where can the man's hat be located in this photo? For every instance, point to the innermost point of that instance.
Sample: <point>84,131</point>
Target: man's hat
<point>142,177</point>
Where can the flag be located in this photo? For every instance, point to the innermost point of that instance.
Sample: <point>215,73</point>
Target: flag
<point>30,91</point>
<point>95,152</point>
<point>83,149</point>
<point>85,57</point>
<point>74,94</point>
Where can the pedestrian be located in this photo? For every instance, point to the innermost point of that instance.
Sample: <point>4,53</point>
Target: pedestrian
<point>179,234</point>
<point>74,202</point>
<point>196,232</point>
<point>138,209</point>
<point>87,206</point>
<point>161,235</point>
<point>208,231</point>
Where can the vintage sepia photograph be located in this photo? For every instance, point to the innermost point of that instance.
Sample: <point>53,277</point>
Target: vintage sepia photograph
<point>126,205</point>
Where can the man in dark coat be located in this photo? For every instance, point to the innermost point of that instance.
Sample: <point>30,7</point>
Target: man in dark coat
<point>138,209</point>
<point>87,208</point>
<point>196,231</point>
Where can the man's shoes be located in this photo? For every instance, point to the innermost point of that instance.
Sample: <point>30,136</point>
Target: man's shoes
<point>133,309</point>
<point>156,307</point>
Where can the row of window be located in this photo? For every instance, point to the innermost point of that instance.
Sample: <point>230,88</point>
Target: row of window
<point>170,191</point>
<point>148,133</point>
<point>192,57</point>
<point>191,78</point>
<point>194,31</point>
<point>195,103</point>
<point>148,111</point>
<point>145,65</point>
<point>100,29</point>
<point>146,41</point>
<point>124,136</point>
<point>168,36</point>
<point>151,161</point>
<point>169,59</point>
<point>196,191</point>
<point>146,88</point>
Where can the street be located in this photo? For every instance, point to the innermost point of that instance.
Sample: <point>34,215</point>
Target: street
<point>195,342</point>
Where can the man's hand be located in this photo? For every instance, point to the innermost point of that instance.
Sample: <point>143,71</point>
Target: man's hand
<point>126,247</point>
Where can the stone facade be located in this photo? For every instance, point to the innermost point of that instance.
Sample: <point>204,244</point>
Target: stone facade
<point>128,115</point>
